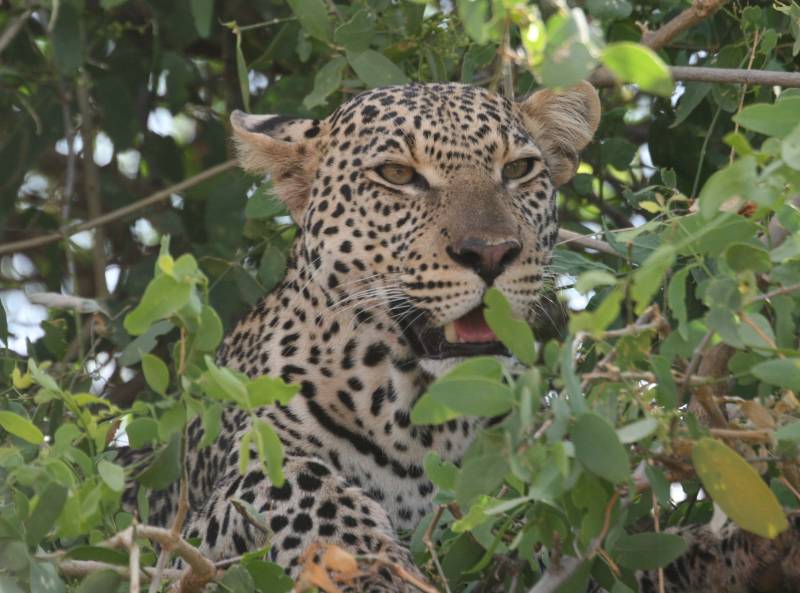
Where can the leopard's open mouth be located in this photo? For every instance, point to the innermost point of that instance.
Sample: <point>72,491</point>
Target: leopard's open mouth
<point>468,335</point>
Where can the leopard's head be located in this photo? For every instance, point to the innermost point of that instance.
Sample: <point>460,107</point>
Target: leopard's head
<point>414,200</point>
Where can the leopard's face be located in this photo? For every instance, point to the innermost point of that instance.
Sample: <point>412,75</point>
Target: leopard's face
<point>415,200</point>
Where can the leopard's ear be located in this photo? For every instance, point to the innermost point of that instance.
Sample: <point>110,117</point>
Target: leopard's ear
<point>562,122</point>
<point>285,148</point>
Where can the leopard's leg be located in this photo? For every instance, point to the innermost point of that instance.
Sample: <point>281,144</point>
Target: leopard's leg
<point>314,505</point>
<point>732,561</point>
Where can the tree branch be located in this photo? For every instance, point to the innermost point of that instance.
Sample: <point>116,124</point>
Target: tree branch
<point>119,213</point>
<point>8,34</point>
<point>91,187</point>
<point>696,13</point>
<point>573,239</point>
<point>604,78</point>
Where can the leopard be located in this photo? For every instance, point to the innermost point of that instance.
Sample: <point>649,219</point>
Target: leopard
<point>411,202</point>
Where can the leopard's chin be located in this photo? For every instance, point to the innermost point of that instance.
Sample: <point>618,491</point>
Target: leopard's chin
<point>462,338</point>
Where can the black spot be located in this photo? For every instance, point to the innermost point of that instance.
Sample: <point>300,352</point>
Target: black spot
<point>302,523</point>
<point>308,482</point>
<point>212,531</point>
<point>290,543</point>
<point>282,493</point>
<point>375,354</point>
<point>278,522</point>
<point>327,510</point>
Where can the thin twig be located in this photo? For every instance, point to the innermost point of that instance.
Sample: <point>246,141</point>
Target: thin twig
<point>657,525</point>
<point>135,585</point>
<point>743,90</point>
<point>81,568</point>
<point>773,293</point>
<point>573,239</point>
<point>119,213</point>
<point>8,34</point>
<point>698,12</point>
<point>694,363</point>
<point>756,436</point>
<point>427,539</point>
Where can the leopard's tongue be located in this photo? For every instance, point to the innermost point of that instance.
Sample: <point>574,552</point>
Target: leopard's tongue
<point>472,327</point>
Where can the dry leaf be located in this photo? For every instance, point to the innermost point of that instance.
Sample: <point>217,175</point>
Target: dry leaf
<point>758,414</point>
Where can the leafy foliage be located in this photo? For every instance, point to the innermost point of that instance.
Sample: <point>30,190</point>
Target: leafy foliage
<point>109,101</point>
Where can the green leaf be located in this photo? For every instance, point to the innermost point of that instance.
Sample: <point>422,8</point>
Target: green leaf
<point>738,489</point>
<point>272,267</point>
<point>242,72</point>
<point>648,551</point>
<point>356,34</point>
<point>747,256</point>
<point>209,334</point>
<point>735,180</point>
<point>598,319</point>
<point>132,353</point>
<point>44,578</point>
<point>443,474</point>
<point>567,66</point>
<point>598,448</point>
<point>165,468</point>
<point>162,298</point>
<point>790,149</point>
<point>648,279</point>
<point>763,338</point>
<point>103,581</point>
<point>107,4</point>
<point>264,204</point>
<point>635,63</point>
<point>264,391</point>
<point>428,411</point>
<point>676,295</point>
<point>68,39</point>
<point>789,432</point>
<point>783,372</point>
<point>142,432</point>
<point>473,397</point>
<point>313,16</point>
<point>374,69</point>
<point>212,422</point>
<point>636,431</point>
<point>478,476</point>
<point>156,373</point>
<point>776,119</point>
<point>326,82</point>
<point>693,95</point>
<point>609,9</point>
<point>112,474</point>
<point>223,382</point>
<point>45,513</point>
<point>98,554</point>
<point>515,333</point>
<point>268,577</point>
<point>21,427</point>
<point>238,580</point>
<point>476,57</point>
<point>270,451</point>
<point>203,14</point>
<point>475,17</point>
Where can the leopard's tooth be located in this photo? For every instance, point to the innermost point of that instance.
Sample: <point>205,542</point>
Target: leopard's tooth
<point>450,332</point>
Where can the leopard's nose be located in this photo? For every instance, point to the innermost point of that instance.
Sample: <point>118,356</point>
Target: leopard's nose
<point>487,259</point>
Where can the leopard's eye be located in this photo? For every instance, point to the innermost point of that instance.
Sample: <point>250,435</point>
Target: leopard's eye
<point>397,174</point>
<point>517,169</point>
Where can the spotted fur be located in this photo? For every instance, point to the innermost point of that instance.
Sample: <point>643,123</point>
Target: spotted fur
<point>370,258</point>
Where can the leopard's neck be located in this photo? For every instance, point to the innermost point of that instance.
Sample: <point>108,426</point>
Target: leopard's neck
<point>358,382</point>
